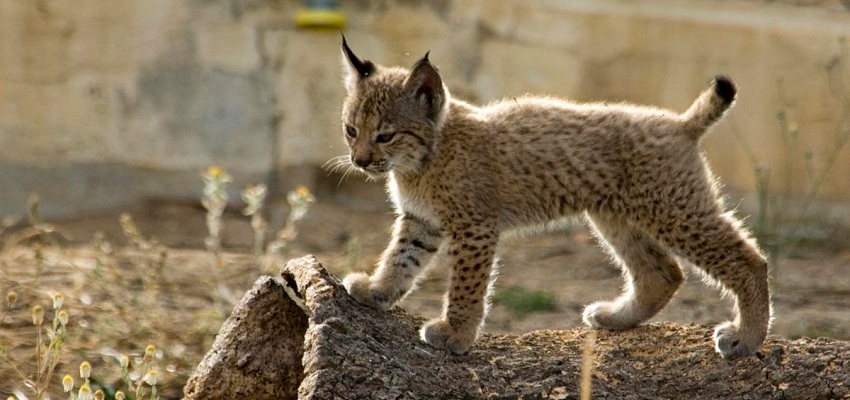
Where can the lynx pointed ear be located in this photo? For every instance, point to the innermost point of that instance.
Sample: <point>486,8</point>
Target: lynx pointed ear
<point>426,86</point>
<point>357,68</point>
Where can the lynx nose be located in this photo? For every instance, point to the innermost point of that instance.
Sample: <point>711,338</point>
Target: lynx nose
<point>360,161</point>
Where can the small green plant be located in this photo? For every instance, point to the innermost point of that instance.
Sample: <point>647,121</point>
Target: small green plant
<point>521,301</point>
<point>299,201</point>
<point>11,299</point>
<point>255,196</point>
<point>215,201</point>
<point>148,376</point>
<point>151,260</point>
<point>48,351</point>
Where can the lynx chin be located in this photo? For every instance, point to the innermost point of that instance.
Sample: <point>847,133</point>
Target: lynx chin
<point>461,175</point>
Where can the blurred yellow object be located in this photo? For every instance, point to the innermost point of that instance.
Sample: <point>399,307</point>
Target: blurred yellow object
<point>320,18</point>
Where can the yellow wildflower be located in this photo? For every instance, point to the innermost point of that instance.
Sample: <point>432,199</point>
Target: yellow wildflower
<point>37,315</point>
<point>149,353</point>
<point>67,383</point>
<point>58,300</point>
<point>85,392</point>
<point>303,191</point>
<point>215,171</point>
<point>85,370</point>
<point>151,378</point>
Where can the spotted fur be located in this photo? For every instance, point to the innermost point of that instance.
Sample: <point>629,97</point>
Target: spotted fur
<point>460,176</point>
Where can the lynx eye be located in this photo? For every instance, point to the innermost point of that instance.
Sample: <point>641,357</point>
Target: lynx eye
<point>385,137</point>
<point>350,131</point>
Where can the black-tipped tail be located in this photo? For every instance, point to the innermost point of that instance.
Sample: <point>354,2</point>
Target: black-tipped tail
<point>725,88</point>
<point>709,107</point>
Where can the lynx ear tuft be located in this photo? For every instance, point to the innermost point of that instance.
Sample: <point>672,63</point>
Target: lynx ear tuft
<point>426,86</point>
<point>357,67</point>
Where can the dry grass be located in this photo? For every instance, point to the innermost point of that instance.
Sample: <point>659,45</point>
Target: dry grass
<point>119,302</point>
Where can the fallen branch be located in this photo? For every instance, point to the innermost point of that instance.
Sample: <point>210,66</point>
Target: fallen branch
<point>315,342</point>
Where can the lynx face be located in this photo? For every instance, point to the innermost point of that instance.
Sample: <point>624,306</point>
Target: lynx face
<point>381,140</point>
<point>390,116</point>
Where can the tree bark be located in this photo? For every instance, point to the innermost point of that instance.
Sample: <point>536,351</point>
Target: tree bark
<point>315,342</point>
<point>257,353</point>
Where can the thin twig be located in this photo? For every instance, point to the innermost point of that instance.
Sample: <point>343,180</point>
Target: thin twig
<point>587,365</point>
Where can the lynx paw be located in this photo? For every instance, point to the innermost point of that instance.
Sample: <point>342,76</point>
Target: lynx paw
<point>609,315</point>
<point>438,333</point>
<point>731,343</point>
<point>362,289</point>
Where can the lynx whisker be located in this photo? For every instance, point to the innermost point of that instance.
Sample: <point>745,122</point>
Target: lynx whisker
<point>339,164</point>
<point>335,164</point>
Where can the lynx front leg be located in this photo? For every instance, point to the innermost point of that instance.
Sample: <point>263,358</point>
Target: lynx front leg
<point>413,245</point>
<point>471,254</point>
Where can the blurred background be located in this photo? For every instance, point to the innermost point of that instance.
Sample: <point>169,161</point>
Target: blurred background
<point>124,106</point>
<point>106,105</point>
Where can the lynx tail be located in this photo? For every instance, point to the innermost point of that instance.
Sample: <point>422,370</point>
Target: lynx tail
<point>710,106</point>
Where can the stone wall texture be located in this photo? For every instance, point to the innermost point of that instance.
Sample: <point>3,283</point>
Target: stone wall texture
<point>105,104</point>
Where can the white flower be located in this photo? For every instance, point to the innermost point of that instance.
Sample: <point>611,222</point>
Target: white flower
<point>151,377</point>
<point>85,392</point>
<point>58,300</point>
<point>67,383</point>
<point>37,315</point>
<point>85,371</point>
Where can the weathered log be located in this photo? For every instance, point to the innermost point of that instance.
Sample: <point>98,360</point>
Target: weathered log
<point>351,351</point>
<point>257,353</point>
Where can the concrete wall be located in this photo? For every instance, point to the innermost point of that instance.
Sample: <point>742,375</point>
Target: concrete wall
<point>104,104</point>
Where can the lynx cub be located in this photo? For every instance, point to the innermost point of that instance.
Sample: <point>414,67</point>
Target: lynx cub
<point>461,175</point>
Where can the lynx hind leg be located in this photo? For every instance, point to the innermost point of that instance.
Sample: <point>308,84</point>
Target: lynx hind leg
<point>652,276</point>
<point>719,246</point>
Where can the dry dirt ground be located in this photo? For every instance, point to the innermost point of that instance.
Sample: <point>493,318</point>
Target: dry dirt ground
<point>177,302</point>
